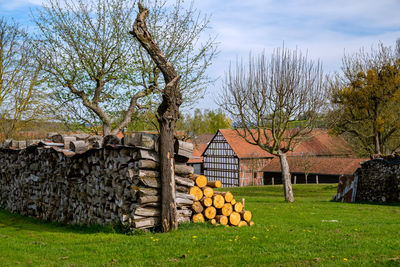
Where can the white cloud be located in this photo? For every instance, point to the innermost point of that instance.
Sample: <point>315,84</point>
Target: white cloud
<point>16,4</point>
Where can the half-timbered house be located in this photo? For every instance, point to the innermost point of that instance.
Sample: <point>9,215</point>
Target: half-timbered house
<point>233,161</point>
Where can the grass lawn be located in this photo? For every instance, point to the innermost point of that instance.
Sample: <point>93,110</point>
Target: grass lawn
<point>311,231</point>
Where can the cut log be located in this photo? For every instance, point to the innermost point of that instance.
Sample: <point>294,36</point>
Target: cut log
<point>95,141</point>
<point>226,210</point>
<point>78,146</point>
<point>183,181</point>
<point>197,207</point>
<point>234,218</point>
<point>141,140</point>
<point>210,212</point>
<point>81,136</point>
<point>147,212</point>
<point>148,199</point>
<point>198,218</point>
<point>150,182</point>
<point>214,184</point>
<point>183,169</point>
<point>208,191</point>
<point>57,138</point>
<point>221,219</point>
<point>251,223</point>
<point>238,207</point>
<point>218,201</point>
<point>227,195</point>
<point>146,164</point>
<point>213,221</point>
<point>233,202</point>
<point>68,140</point>
<point>184,195</point>
<point>242,223</point>
<point>206,201</point>
<point>181,188</point>
<point>183,149</point>
<point>147,222</point>
<point>246,215</point>
<point>148,154</point>
<point>143,191</point>
<point>196,192</point>
<point>111,140</point>
<point>199,180</point>
<point>183,202</point>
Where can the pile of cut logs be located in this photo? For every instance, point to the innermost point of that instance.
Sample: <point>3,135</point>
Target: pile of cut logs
<point>90,180</point>
<point>217,207</point>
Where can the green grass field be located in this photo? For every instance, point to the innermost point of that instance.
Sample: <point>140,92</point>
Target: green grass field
<point>310,232</point>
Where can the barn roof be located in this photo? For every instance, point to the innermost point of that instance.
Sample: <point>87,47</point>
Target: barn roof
<point>241,148</point>
<point>320,144</point>
<point>318,165</point>
<point>200,144</point>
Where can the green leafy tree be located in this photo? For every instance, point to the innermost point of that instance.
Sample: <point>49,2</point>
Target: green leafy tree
<point>100,75</point>
<point>366,100</point>
<point>206,122</point>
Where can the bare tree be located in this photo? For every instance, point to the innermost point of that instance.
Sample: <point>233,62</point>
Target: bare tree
<point>20,101</point>
<point>269,96</point>
<point>94,64</point>
<point>168,114</point>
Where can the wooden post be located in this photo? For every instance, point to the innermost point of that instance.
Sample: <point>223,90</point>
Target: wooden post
<point>316,179</point>
<point>272,181</point>
<point>295,179</point>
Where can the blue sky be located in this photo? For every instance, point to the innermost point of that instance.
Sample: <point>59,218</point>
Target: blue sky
<point>326,29</point>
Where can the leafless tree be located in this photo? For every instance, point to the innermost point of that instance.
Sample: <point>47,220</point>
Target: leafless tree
<point>268,96</point>
<point>168,114</point>
<point>20,101</point>
<point>93,62</point>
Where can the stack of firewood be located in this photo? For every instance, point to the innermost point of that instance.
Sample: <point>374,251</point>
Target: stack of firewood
<point>217,207</point>
<point>101,183</point>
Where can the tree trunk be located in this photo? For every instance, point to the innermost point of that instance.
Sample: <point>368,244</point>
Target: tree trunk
<point>106,129</point>
<point>377,143</point>
<point>168,114</point>
<point>287,183</point>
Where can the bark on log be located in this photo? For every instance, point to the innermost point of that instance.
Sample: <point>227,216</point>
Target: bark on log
<point>214,184</point>
<point>183,181</point>
<point>78,146</point>
<point>246,215</point>
<point>68,140</point>
<point>183,169</point>
<point>147,212</point>
<point>197,207</point>
<point>148,199</point>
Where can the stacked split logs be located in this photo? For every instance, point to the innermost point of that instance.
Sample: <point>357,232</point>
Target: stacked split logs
<point>91,180</point>
<point>217,207</point>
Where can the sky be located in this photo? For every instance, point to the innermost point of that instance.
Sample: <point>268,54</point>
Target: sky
<point>325,29</point>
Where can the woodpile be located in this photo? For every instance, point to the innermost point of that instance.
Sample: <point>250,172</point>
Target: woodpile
<point>90,180</point>
<point>217,207</point>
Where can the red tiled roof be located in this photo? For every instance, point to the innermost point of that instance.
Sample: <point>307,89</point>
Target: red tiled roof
<point>318,165</point>
<point>200,144</point>
<point>320,144</point>
<point>241,148</point>
<point>197,153</point>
